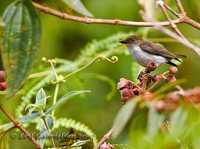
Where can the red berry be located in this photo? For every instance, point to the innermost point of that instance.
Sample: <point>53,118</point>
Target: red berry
<point>151,66</point>
<point>3,86</point>
<point>173,70</point>
<point>156,78</point>
<point>170,78</point>
<point>126,94</point>
<point>160,105</point>
<point>2,76</point>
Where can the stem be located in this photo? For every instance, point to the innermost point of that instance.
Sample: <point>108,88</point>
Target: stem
<point>55,96</point>
<point>105,138</point>
<point>57,84</point>
<point>85,66</point>
<point>19,126</point>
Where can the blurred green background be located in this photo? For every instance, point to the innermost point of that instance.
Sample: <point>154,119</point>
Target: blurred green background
<point>65,39</point>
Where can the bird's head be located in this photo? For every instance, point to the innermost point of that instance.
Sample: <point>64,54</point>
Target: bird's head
<point>131,40</point>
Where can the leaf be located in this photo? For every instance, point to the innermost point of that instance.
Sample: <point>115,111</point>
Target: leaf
<point>20,42</point>
<point>155,119</point>
<point>23,119</point>
<point>76,5</point>
<point>65,98</point>
<point>178,118</point>
<point>44,132</point>
<point>41,98</point>
<point>40,102</point>
<point>49,120</point>
<point>123,117</point>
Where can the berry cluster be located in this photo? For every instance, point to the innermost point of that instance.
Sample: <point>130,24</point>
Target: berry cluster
<point>129,89</point>
<point>3,85</point>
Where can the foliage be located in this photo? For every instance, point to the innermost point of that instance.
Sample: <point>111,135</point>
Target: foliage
<point>20,40</point>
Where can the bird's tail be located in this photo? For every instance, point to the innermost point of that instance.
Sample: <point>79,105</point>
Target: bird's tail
<point>181,55</point>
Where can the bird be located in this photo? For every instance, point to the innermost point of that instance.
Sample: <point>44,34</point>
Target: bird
<point>144,52</point>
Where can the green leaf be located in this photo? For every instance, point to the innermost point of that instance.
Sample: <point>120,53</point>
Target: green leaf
<point>123,117</point>
<point>65,98</point>
<point>20,42</point>
<point>155,119</point>
<point>76,5</point>
<point>41,98</point>
<point>49,120</point>
<point>23,119</point>
<point>44,132</point>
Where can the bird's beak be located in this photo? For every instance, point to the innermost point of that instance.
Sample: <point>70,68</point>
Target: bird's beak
<point>123,41</point>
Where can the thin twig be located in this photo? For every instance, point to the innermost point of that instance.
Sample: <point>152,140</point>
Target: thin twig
<point>19,126</point>
<point>171,10</point>
<point>180,6</point>
<point>97,21</point>
<point>105,138</point>
<point>174,27</point>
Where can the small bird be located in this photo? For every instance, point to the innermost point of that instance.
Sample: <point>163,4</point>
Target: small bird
<point>145,52</point>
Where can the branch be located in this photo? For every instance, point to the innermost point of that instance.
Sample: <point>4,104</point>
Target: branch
<point>104,139</point>
<point>19,126</point>
<point>87,20</point>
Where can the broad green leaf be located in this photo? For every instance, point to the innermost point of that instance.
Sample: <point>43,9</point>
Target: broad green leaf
<point>26,118</point>
<point>123,117</point>
<point>20,42</point>
<point>76,5</point>
<point>41,98</point>
<point>65,98</point>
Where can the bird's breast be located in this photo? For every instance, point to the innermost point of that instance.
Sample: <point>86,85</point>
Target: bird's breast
<point>143,58</point>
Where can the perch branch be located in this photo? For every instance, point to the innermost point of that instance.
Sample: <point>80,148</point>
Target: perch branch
<point>87,20</point>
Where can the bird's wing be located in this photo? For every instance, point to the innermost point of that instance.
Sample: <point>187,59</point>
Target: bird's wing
<point>156,49</point>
